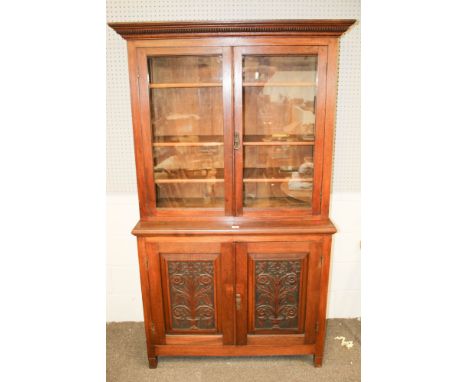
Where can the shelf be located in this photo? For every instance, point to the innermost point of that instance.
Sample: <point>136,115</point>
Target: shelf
<point>193,144</point>
<point>183,181</point>
<point>280,143</point>
<point>186,203</point>
<point>274,202</point>
<point>279,84</point>
<point>276,180</point>
<point>294,139</point>
<point>186,85</point>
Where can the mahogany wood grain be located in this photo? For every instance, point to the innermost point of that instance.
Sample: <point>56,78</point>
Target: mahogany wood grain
<point>251,40</point>
<point>153,362</point>
<point>233,227</point>
<point>320,131</point>
<point>238,130</point>
<point>195,339</point>
<point>137,133</point>
<point>228,119</point>
<point>145,293</point>
<point>233,350</point>
<point>146,131</point>
<point>275,339</point>
<point>313,289</point>
<point>234,237</point>
<point>153,30</point>
<point>329,125</point>
<point>228,279</point>
<point>158,327</point>
<point>322,305</point>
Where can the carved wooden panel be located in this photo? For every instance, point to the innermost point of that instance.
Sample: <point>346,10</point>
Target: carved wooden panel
<point>192,295</point>
<point>277,286</point>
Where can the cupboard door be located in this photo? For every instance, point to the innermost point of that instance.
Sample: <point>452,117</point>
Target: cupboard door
<point>279,114</point>
<point>186,108</point>
<point>277,290</point>
<point>192,289</point>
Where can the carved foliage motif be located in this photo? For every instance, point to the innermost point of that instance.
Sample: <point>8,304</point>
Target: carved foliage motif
<point>191,288</point>
<point>277,294</point>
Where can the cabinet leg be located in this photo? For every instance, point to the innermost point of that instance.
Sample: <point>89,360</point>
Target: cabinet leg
<point>318,360</point>
<point>153,362</point>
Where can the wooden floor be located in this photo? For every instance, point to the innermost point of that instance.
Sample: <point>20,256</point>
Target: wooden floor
<point>126,360</point>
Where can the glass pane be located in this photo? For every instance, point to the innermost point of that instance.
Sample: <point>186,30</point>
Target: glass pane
<point>279,130</point>
<point>187,115</point>
<point>187,131</point>
<point>185,69</point>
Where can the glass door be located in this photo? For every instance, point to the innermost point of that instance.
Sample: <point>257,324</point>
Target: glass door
<point>188,97</point>
<point>279,128</point>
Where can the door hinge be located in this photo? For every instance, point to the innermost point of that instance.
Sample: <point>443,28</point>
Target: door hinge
<point>316,327</point>
<point>146,263</point>
<point>321,260</point>
<point>153,329</point>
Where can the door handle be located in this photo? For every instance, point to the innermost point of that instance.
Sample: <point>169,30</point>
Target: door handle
<point>236,141</point>
<point>238,301</point>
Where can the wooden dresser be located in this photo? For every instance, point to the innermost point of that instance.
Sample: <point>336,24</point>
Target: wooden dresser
<point>233,128</point>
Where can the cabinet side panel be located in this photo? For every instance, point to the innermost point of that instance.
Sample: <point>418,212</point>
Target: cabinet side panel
<point>241,294</point>
<point>313,290</point>
<point>322,306</point>
<point>329,125</point>
<point>155,292</point>
<point>145,293</point>
<point>136,122</point>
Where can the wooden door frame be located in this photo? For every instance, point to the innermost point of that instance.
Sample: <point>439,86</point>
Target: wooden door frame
<point>320,126</point>
<point>143,132</point>
<point>153,258</point>
<point>313,301</point>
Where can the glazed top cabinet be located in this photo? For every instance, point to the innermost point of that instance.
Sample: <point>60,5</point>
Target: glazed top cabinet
<point>233,130</point>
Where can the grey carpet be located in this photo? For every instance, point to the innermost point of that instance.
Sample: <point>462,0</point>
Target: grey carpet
<point>126,360</point>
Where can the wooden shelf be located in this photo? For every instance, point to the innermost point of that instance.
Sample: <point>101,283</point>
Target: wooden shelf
<point>175,144</point>
<point>275,180</point>
<point>186,85</point>
<point>280,143</point>
<point>280,84</point>
<point>201,180</point>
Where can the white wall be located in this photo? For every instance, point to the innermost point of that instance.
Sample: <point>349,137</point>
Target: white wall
<point>123,283</point>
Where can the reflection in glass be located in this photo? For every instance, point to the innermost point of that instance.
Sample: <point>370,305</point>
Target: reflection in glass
<point>187,114</point>
<point>185,69</point>
<point>279,130</point>
<point>187,127</point>
<point>279,97</point>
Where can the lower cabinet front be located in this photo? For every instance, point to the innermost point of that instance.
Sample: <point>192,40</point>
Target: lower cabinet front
<point>233,298</point>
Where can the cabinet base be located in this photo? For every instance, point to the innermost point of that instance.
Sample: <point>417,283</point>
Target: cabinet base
<point>318,360</point>
<point>232,350</point>
<point>153,362</point>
